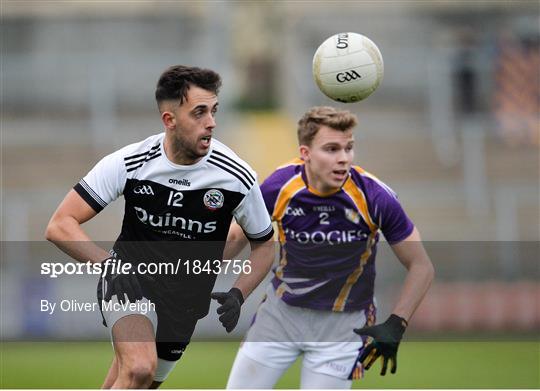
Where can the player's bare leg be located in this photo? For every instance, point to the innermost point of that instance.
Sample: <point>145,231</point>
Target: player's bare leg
<point>111,375</point>
<point>135,350</point>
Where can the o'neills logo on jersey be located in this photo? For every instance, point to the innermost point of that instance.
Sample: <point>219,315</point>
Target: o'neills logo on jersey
<point>181,182</point>
<point>168,220</point>
<point>213,199</point>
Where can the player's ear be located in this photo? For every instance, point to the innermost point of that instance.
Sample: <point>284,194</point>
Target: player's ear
<point>304,153</point>
<point>169,120</point>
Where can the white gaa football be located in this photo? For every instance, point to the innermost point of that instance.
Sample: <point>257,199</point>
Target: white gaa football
<point>348,67</point>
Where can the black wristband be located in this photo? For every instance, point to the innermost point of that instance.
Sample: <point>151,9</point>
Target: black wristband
<point>238,294</point>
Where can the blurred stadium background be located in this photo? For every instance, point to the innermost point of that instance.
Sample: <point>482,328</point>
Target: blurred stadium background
<point>454,128</point>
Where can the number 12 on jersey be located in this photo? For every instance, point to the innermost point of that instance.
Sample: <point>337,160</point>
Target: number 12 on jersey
<point>174,198</point>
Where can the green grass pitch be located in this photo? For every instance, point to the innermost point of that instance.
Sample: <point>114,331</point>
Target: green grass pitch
<point>207,364</point>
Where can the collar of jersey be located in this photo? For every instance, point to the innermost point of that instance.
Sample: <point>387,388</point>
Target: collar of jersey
<point>317,192</point>
<point>187,166</point>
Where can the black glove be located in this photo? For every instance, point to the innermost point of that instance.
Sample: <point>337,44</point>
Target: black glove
<point>120,283</point>
<point>230,307</point>
<point>385,341</point>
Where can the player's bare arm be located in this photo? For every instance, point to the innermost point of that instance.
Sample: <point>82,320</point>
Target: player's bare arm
<point>420,273</point>
<point>236,241</point>
<point>261,257</point>
<point>65,231</point>
<point>386,336</point>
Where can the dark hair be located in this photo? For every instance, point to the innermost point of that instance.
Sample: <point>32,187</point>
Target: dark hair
<point>309,124</point>
<point>174,83</point>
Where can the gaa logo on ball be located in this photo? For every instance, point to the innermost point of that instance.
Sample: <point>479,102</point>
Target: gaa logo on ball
<point>348,67</point>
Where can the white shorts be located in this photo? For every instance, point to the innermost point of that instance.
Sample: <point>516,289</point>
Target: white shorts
<point>113,312</point>
<point>281,332</point>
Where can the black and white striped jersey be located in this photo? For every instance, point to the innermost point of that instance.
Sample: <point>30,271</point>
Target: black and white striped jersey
<point>167,201</point>
<point>177,212</point>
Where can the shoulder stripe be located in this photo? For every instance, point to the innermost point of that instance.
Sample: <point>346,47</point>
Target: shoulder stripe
<point>142,159</point>
<point>249,179</point>
<point>357,196</point>
<point>359,169</point>
<point>230,171</point>
<point>387,188</point>
<point>235,163</point>
<point>155,147</point>
<point>145,160</point>
<point>287,192</point>
<point>364,173</point>
<point>295,162</point>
